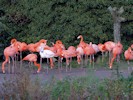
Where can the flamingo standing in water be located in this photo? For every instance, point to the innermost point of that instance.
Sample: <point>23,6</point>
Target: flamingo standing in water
<point>33,58</point>
<point>117,50</point>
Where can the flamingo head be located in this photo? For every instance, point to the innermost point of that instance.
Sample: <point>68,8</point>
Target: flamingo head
<point>52,43</point>
<point>80,36</point>
<point>43,41</point>
<point>58,42</point>
<point>90,43</point>
<point>13,41</point>
<point>132,46</point>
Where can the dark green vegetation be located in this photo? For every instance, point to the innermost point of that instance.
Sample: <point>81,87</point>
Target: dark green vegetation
<point>32,20</point>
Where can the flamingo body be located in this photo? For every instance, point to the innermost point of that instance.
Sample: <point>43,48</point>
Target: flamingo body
<point>33,58</point>
<point>47,54</point>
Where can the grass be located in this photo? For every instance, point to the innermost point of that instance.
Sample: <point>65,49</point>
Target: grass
<point>89,87</point>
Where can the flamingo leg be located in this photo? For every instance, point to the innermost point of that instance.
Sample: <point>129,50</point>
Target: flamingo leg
<point>90,60</point>
<point>51,63</point>
<point>112,60</point>
<point>102,56</point>
<point>86,59</point>
<point>93,60</point>
<point>9,62</point>
<point>20,60</point>
<point>12,64</point>
<point>40,62</point>
<point>47,64</point>
<point>61,62</point>
<point>82,61</point>
<point>128,66</point>
<point>58,63</point>
<point>70,63</point>
<point>67,63</point>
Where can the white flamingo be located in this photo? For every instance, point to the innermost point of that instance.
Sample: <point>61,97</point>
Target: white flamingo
<point>46,54</point>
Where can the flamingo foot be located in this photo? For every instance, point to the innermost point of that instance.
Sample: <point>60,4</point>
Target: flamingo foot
<point>79,63</point>
<point>38,72</point>
<point>110,67</point>
<point>51,66</point>
<point>3,71</point>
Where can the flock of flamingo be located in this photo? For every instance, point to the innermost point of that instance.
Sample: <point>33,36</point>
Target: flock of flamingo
<point>58,49</point>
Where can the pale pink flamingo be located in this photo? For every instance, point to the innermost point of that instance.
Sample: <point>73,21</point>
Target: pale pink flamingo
<point>68,54</point>
<point>109,45</point>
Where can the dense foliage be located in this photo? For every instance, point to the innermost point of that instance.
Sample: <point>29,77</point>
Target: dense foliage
<point>32,20</point>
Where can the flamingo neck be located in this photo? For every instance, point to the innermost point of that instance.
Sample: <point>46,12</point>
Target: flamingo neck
<point>81,40</point>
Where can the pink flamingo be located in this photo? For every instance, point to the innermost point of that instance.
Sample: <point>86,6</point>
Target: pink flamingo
<point>89,50</point>
<point>80,49</point>
<point>102,49</point>
<point>33,58</point>
<point>69,53</point>
<point>109,45</point>
<point>10,51</point>
<point>128,54</point>
<point>117,50</point>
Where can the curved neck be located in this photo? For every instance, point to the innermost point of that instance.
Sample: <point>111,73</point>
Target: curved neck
<point>81,40</point>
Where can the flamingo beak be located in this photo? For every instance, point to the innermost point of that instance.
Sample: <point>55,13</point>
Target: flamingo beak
<point>78,37</point>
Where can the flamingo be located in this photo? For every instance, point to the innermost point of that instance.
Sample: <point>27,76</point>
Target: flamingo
<point>72,52</point>
<point>69,53</point>
<point>117,50</point>
<point>109,45</point>
<point>22,47</point>
<point>46,54</point>
<point>128,54</point>
<point>33,58</point>
<point>31,47</point>
<point>132,46</point>
<point>9,51</point>
<point>80,49</point>
<point>89,50</point>
<point>80,53</point>
<point>102,49</point>
<point>57,48</point>
<point>82,43</point>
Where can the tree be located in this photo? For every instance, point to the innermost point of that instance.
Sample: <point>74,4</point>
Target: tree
<point>116,14</point>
